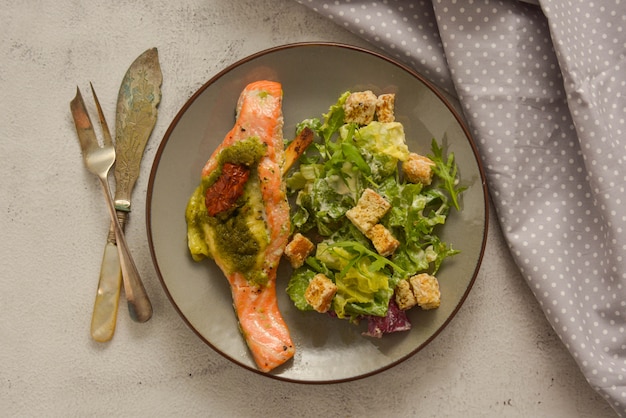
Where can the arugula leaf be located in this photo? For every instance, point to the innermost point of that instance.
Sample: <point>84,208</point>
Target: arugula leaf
<point>352,154</point>
<point>446,170</point>
<point>441,251</point>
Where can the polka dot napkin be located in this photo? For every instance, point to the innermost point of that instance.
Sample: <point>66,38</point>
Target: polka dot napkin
<point>543,88</point>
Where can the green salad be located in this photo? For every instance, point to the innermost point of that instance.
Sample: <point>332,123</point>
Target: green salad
<point>365,250</point>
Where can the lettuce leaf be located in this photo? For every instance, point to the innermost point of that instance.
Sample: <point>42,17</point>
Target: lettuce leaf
<point>297,286</point>
<point>382,145</point>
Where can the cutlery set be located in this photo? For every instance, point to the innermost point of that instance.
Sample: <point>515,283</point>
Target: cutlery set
<point>136,114</point>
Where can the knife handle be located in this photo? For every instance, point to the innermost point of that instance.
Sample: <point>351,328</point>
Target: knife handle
<point>105,307</point>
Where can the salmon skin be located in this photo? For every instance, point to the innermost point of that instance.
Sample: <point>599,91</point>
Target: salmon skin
<point>245,229</point>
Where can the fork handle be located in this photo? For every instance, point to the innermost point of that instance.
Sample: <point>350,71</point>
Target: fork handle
<point>104,316</point>
<point>139,304</point>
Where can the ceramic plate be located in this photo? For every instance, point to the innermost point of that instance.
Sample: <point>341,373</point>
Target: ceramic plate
<point>313,75</point>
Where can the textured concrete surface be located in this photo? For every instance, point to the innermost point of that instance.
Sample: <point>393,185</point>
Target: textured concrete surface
<point>499,357</point>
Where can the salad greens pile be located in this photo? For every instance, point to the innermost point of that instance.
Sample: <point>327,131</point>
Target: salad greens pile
<point>345,159</point>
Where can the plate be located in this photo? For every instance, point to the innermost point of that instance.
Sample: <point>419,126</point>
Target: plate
<point>313,75</point>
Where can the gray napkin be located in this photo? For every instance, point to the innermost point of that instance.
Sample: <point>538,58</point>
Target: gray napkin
<point>543,89</point>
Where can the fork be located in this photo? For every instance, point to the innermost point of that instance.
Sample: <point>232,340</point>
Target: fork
<point>99,159</point>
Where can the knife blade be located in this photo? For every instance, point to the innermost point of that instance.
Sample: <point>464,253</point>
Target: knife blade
<point>136,114</point>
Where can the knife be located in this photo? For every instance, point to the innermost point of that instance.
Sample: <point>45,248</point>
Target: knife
<point>136,115</point>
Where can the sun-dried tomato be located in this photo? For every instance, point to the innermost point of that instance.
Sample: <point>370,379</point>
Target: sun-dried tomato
<point>223,194</point>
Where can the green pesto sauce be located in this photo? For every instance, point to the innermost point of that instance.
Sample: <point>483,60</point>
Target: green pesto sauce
<point>197,217</point>
<point>247,152</point>
<point>238,236</point>
<point>238,244</point>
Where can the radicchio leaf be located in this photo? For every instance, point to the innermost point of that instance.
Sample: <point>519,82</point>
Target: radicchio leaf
<point>395,321</point>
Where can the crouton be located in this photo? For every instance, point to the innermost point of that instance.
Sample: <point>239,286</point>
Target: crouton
<point>384,108</point>
<point>368,210</point>
<point>418,169</point>
<point>320,293</point>
<point>360,107</point>
<point>298,249</point>
<point>426,290</point>
<point>404,295</point>
<point>384,242</point>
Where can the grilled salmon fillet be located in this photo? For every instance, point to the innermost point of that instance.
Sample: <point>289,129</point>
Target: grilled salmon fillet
<point>239,217</point>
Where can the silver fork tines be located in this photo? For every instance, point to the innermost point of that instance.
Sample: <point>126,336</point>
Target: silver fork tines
<point>99,159</point>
